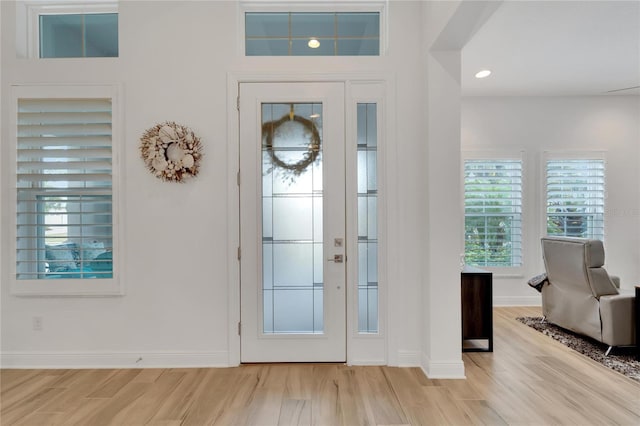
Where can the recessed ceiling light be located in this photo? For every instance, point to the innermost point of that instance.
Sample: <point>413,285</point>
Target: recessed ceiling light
<point>314,43</point>
<point>483,74</point>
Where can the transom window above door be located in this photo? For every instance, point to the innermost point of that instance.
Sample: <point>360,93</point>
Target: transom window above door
<point>312,33</point>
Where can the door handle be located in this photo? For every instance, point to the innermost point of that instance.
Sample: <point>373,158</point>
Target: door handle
<point>337,258</point>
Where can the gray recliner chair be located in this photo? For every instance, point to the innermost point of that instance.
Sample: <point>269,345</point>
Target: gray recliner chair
<point>581,296</point>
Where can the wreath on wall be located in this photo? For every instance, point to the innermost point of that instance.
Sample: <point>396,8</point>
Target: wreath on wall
<point>292,170</point>
<point>171,152</point>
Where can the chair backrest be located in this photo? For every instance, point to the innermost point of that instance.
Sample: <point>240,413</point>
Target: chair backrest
<point>577,263</point>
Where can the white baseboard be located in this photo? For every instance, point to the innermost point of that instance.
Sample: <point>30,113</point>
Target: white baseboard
<point>43,360</point>
<point>453,369</point>
<point>367,362</point>
<point>408,359</point>
<point>517,301</point>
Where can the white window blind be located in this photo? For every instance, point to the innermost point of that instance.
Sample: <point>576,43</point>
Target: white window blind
<point>64,189</point>
<point>493,212</point>
<point>575,197</point>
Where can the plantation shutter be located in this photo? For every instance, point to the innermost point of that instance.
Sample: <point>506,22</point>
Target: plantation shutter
<point>493,212</point>
<point>575,198</point>
<point>64,188</point>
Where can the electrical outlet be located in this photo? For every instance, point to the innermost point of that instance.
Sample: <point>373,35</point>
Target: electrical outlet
<point>37,323</point>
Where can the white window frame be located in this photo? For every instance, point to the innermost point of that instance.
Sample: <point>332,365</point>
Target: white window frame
<point>76,286</point>
<point>37,8</point>
<point>500,271</point>
<point>286,6</point>
<point>374,93</point>
<point>570,155</point>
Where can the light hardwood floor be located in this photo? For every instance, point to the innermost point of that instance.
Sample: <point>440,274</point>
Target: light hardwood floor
<point>529,379</point>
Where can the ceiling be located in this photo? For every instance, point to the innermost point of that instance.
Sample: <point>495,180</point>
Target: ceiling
<point>555,48</point>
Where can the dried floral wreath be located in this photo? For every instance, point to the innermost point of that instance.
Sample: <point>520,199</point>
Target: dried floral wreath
<point>295,169</point>
<point>172,152</point>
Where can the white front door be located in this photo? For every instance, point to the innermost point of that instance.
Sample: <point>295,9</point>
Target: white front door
<point>292,222</point>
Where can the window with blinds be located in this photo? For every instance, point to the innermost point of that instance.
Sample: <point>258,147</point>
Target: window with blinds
<point>64,189</point>
<point>493,212</point>
<point>575,197</point>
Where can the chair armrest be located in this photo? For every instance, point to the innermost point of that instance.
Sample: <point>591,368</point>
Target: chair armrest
<point>617,313</point>
<point>615,280</point>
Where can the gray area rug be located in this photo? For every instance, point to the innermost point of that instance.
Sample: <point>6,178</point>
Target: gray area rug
<point>621,360</point>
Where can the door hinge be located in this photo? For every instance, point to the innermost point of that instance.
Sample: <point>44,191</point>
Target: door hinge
<point>238,103</point>
<point>238,178</point>
<point>239,253</point>
<point>239,328</point>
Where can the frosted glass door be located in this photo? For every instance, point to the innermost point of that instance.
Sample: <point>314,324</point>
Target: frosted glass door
<point>292,248</point>
<point>292,222</point>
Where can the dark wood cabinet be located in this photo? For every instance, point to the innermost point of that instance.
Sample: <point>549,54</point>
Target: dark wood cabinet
<point>637,319</point>
<point>477,309</point>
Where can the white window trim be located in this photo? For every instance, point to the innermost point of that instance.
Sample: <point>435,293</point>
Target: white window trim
<point>501,271</point>
<point>568,155</point>
<point>37,8</point>
<point>67,287</point>
<point>369,92</point>
<point>379,6</point>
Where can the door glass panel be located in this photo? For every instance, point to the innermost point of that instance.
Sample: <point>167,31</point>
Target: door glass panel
<point>367,219</point>
<point>292,246</point>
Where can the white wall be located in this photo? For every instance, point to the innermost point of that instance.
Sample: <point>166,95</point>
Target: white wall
<point>448,27</point>
<point>174,62</point>
<point>534,125</point>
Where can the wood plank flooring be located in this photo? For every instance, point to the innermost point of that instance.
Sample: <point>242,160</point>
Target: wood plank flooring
<point>529,379</point>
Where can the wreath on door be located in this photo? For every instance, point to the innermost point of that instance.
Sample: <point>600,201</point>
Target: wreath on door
<point>269,133</point>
